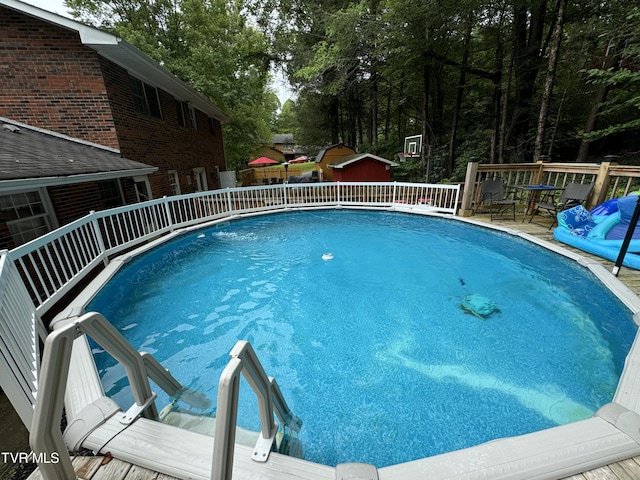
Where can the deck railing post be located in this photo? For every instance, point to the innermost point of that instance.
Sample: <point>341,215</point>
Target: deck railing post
<point>284,190</point>
<point>229,202</point>
<point>97,234</point>
<point>601,185</point>
<point>469,192</point>
<point>538,175</point>
<point>167,212</point>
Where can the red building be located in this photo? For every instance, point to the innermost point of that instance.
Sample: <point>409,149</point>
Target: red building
<point>362,167</point>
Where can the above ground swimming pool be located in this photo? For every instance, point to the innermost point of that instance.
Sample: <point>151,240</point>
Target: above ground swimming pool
<point>375,346</point>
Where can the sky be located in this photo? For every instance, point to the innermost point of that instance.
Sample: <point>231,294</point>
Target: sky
<point>278,83</point>
<point>55,6</point>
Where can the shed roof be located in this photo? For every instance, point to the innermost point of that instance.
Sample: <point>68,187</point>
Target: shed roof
<point>125,55</point>
<point>323,152</point>
<point>350,159</point>
<point>31,156</point>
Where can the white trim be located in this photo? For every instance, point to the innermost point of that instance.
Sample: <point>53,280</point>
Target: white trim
<point>143,179</point>
<point>174,181</point>
<point>10,186</point>
<point>339,166</point>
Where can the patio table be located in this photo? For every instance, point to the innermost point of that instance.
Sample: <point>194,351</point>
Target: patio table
<point>533,193</point>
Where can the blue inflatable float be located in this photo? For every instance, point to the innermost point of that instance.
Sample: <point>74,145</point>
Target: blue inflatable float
<point>601,233</point>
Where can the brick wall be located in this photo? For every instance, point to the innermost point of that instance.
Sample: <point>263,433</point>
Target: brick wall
<point>71,202</point>
<point>48,79</point>
<point>163,143</point>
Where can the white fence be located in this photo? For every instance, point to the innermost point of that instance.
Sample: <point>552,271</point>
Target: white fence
<point>37,274</point>
<point>54,263</point>
<point>20,332</point>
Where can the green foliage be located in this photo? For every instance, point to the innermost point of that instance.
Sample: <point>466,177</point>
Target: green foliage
<point>286,121</point>
<point>622,108</point>
<point>411,170</point>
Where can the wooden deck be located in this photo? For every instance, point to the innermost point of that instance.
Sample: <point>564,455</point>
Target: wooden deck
<point>105,468</point>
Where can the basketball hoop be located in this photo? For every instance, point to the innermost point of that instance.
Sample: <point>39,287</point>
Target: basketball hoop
<point>404,155</point>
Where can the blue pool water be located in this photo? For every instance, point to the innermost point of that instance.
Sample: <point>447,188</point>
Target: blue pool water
<point>372,349</point>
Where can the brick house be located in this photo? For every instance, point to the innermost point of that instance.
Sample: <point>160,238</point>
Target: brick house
<point>66,77</point>
<point>48,179</point>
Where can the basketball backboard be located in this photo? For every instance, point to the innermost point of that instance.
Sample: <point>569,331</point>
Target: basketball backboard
<point>413,146</point>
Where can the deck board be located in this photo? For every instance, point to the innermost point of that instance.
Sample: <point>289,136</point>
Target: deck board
<point>101,468</point>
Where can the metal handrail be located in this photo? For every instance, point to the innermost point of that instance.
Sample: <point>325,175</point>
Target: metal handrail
<point>46,438</point>
<point>270,401</point>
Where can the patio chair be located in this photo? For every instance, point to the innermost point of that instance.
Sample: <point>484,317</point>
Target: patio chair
<point>573,195</point>
<point>493,193</point>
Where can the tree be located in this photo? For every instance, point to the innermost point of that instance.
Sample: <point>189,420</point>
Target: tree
<point>467,74</point>
<point>208,44</point>
<point>550,78</point>
<point>621,79</point>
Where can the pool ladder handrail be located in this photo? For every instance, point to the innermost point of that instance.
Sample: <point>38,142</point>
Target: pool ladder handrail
<point>270,401</point>
<point>45,438</point>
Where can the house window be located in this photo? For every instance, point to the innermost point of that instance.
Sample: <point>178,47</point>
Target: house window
<point>182,120</point>
<point>212,126</point>
<point>174,182</point>
<point>145,98</point>
<point>192,114</point>
<point>26,216</point>
<point>143,188</point>
<point>110,194</point>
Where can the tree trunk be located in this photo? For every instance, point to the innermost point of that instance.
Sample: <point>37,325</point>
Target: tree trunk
<point>549,81</point>
<point>601,95</point>
<point>459,96</point>
<point>387,117</point>
<point>529,29</point>
<point>373,113</point>
<point>426,79</point>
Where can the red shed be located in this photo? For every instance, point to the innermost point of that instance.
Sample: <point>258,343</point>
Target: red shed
<point>362,167</point>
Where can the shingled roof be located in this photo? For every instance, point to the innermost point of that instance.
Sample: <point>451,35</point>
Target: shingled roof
<point>37,157</point>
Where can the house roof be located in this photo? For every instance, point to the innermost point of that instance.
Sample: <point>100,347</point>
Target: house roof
<point>282,138</point>
<point>322,152</point>
<point>32,157</point>
<point>125,55</point>
<point>349,159</point>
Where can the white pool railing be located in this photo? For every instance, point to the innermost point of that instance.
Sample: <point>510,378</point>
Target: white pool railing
<point>34,276</point>
<point>54,263</point>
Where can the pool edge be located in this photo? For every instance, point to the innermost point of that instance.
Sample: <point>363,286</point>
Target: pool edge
<point>564,450</point>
